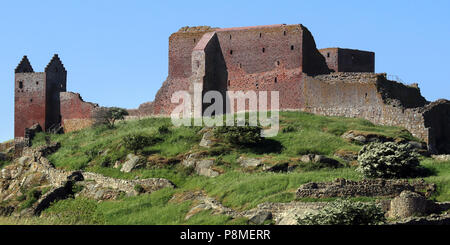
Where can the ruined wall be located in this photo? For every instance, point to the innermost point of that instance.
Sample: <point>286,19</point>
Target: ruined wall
<point>437,118</point>
<point>76,114</point>
<point>29,101</point>
<point>349,60</point>
<point>255,58</point>
<point>361,95</point>
<point>181,45</point>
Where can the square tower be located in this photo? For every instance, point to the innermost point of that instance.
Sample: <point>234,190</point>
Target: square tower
<point>36,95</point>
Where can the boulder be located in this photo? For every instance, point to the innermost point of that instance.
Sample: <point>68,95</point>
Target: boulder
<point>292,215</point>
<point>133,162</point>
<point>260,217</point>
<point>207,139</point>
<point>312,158</point>
<point>410,204</point>
<point>250,162</point>
<point>203,167</point>
<point>348,156</point>
<point>364,137</point>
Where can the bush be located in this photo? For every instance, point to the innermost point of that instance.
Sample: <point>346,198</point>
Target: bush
<point>163,129</point>
<point>246,135</point>
<point>108,116</point>
<point>139,189</point>
<point>388,160</point>
<point>345,212</point>
<point>136,142</point>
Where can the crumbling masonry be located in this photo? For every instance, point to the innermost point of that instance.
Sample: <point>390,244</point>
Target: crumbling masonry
<point>332,82</point>
<point>41,98</point>
<point>284,58</point>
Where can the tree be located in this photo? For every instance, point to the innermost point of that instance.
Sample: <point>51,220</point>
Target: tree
<point>108,116</point>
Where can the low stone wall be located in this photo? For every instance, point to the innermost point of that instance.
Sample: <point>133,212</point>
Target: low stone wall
<point>369,188</point>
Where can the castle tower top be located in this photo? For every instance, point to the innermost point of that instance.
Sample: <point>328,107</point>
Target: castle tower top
<point>55,65</point>
<point>24,66</point>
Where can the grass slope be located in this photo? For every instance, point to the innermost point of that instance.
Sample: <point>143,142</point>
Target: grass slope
<point>300,133</point>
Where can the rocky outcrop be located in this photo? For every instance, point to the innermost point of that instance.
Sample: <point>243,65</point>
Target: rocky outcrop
<point>369,187</point>
<point>313,158</point>
<point>204,167</point>
<point>132,162</point>
<point>441,158</point>
<point>34,172</point>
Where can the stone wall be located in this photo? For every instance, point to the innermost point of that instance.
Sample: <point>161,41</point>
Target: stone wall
<point>366,95</point>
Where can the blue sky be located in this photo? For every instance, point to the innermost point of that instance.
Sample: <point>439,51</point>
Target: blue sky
<point>116,51</point>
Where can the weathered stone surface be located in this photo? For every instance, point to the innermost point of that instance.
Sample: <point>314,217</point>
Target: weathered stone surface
<point>442,158</point>
<point>410,204</point>
<point>348,156</point>
<point>434,219</point>
<point>313,158</point>
<point>202,166</point>
<point>133,162</point>
<point>364,137</point>
<point>260,217</point>
<point>250,162</point>
<point>369,187</point>
<point>207,139</point>
<point>33,170</point>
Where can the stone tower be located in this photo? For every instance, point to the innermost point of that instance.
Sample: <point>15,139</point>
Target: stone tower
<point>37,95</point>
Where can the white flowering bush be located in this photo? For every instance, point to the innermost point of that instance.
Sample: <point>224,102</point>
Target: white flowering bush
<point>345,212</point>
<point>388,160</point>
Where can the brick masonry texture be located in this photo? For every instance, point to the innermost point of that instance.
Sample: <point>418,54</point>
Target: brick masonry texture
<point>41,98</point>
<point>284,58</point>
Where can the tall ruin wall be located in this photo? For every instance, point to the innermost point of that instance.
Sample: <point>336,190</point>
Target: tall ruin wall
<point>75,113</point>
<point>369,96</point>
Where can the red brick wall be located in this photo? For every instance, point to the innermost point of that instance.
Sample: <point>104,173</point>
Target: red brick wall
<point>29,101</point>
<point>76,114</point>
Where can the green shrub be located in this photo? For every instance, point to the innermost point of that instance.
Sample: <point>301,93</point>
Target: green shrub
<point>164,129</point>
<point>245,135</point>
<point>136,142</point>
<point>388,160</point>
<point>289,129</point>
<point>139,189</point>
<point>345,212</point>
<point>108,116</point>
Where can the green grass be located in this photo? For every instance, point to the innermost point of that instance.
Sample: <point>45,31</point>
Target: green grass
<point>235,188</point>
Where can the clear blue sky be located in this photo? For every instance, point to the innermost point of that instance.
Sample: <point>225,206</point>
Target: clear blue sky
<point>116,51</point>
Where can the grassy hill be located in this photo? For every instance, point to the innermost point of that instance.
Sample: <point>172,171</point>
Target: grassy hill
<point>97,149</point>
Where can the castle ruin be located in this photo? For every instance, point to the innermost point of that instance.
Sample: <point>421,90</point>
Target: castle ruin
<point>41,98</point>
<point>284,58</point>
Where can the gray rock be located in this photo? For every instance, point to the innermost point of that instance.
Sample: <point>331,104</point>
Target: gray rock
<point>24,160</point>
<point>260,217</point>
<point>207,139</point>
<point>250,162</point>
<point>441,158</point>
<point>133,162</point>
<point>203,168</point>
<point>312,158</point>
